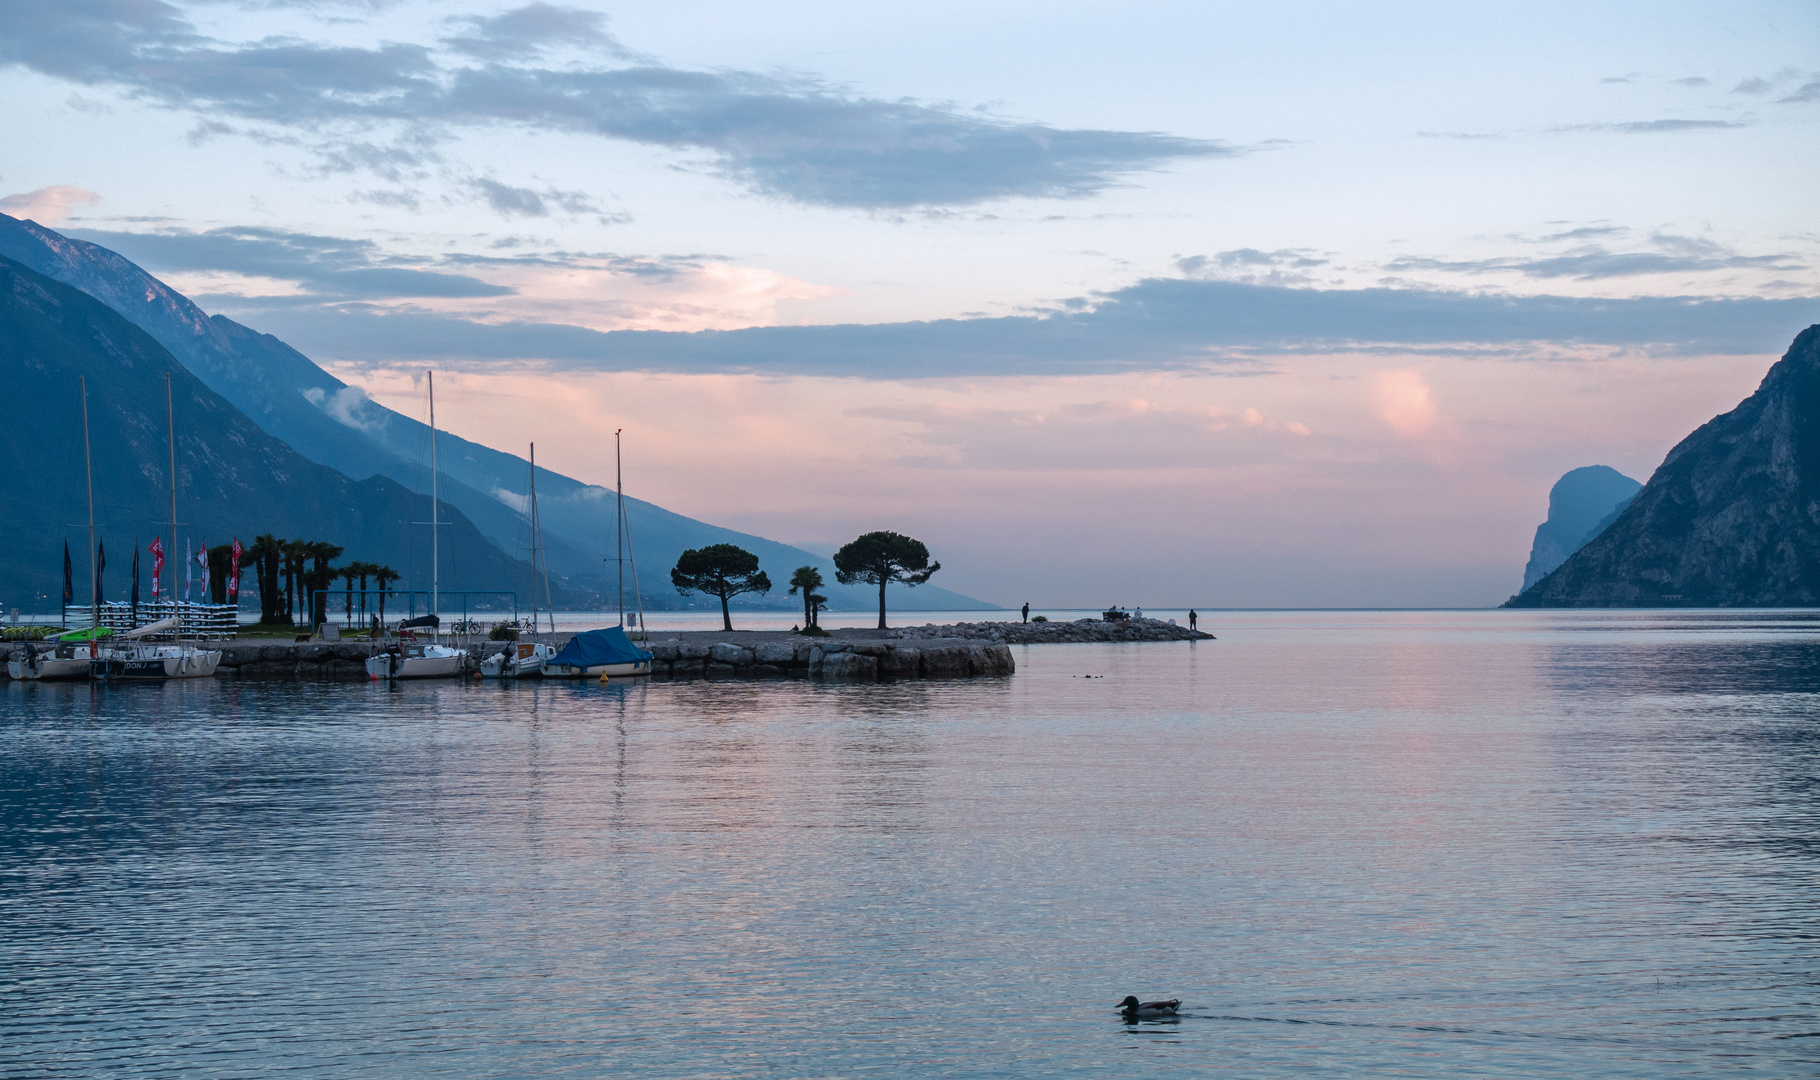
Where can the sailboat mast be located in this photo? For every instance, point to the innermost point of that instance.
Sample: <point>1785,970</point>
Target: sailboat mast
<point>619,524</point>
<point>435,514</point>
<point>534,540</point>
<point>537,548</point>
<point>94,591</point>
<point>170,423</point>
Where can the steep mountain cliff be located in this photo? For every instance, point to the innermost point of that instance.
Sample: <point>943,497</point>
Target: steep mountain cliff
<point>233,478</point>
<point>333,424</point>
<point>1731,518</point>
<point>1580,506</point>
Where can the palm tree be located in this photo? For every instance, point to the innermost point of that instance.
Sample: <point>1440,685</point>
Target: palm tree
<point>264,553</point>
<point>362,570</point>
<point>348,574</point>
<point>296,556</point>
<point>319,578</point>
<point>807,579</point>
<point>383,576</point>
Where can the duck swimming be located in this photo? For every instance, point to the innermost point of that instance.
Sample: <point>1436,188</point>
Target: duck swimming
<point>1140,1010</point>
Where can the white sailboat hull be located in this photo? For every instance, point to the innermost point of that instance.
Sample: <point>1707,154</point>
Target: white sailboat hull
<point>49,667</point>
<point>525,661</point>
<point>155,663</point>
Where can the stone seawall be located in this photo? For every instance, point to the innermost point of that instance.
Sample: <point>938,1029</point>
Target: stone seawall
<point>861,661</point>
<point>331,661</point>
<point>864,661</point>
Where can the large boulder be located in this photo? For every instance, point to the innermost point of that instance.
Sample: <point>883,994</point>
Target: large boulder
<point>731,655</point>
<point>849,665</point>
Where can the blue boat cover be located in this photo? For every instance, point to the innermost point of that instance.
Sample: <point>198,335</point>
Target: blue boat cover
<point>591,647</point>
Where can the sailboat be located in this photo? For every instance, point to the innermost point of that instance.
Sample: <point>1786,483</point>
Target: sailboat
<point>608,652</point>
<point>525,659</point>
<point>60,661</point>
<point>434,660</point>
<point>143,661</point>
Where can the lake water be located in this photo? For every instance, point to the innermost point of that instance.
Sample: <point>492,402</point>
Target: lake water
<point>1397,844</point>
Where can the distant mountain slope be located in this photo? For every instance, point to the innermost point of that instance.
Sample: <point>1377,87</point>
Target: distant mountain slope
<point>233,478</point>
<point>331,423</point>
<point>1580,505</point>
<point>1730,518</point>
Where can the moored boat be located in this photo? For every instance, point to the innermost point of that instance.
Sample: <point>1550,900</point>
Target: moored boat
<point>53,658</point>
<point>597,653</point>
<point>407,661</point>
<point>522,660</point>
<point>154,661</point>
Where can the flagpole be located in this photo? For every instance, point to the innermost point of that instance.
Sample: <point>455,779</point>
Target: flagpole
<point>88,457</point>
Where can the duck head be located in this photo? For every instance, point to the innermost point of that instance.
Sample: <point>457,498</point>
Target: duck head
<point>1130,1002</point>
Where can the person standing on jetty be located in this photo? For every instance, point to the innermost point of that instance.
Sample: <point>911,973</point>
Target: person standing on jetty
<point>1191,619</point>
<point>1026,611</point>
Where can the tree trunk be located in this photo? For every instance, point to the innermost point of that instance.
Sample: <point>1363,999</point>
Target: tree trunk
<point>726,618</point>
<point>881,600</point>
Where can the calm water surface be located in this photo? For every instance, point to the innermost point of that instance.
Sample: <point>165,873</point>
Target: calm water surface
<point>1431,844</point>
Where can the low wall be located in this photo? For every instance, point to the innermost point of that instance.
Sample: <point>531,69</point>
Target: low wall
<point>811,659</point>
<point>829,659</point>
<point>332,661</point>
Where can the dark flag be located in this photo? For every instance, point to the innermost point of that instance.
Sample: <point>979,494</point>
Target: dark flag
<point>135,581</point>
<point>100,568</point>
<point>69,581</point>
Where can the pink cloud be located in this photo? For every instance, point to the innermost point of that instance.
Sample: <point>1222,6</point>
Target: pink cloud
<point>48,205</point>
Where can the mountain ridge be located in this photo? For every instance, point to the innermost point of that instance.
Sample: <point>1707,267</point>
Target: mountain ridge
<point>327,421</point>
<point>1731,518</point>
<point>234,478</point>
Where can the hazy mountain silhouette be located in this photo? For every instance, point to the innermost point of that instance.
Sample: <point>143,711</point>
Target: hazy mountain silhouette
<point>233,478</point>
<point>333,424</point>
<point>1730,518</point>
<point>1580,506</point>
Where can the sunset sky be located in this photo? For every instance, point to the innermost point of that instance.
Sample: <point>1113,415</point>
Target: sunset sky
<point>1140,303</point>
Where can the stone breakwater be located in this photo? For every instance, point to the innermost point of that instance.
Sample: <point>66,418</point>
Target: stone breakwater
<point>1042,633</point>
<point>955,651</point>
<point>861,661</point>
<point>826,658</point>
<point>308,660</point>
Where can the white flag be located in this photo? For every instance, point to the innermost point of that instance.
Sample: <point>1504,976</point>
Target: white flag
<point>189,568</point>
<point>202,560</point>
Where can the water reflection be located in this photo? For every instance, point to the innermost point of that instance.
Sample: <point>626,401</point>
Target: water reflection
<point>1533,844</point>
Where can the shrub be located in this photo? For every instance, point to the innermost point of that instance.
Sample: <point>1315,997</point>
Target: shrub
<point>503,631</point>
<point>1039,618</point>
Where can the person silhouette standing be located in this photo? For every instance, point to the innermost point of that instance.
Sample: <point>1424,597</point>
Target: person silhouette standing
<point>1191,619</point>
<point>1026,611</point>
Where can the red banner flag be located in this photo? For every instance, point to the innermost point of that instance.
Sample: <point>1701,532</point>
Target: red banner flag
<point>234,572</point>
<point>156,547</point>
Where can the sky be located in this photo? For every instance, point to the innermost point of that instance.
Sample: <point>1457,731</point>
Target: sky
<point>1164,304</point>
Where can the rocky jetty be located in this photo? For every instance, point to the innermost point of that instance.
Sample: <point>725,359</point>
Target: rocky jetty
<point>310,661</point>
<point>955,651</point>
<point>1730,519</point>
<point>829,658</point>
<point>773,655</point>
<point>1043,633</point>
